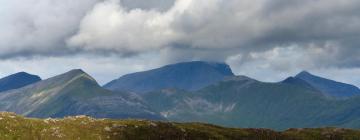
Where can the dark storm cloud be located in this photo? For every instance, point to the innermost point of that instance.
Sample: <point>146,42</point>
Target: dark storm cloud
<point>310,21</point>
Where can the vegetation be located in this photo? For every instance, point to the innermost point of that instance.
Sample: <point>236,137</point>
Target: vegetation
<point>15,127</point>
<point>244,102</point>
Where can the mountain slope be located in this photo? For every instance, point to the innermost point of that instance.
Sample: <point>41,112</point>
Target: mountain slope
<point>73,93</point>
<point>329,87</point>
<point>297,82</point>
<point>244,102</point>
<point>188,76</point>
<point>17,80</point>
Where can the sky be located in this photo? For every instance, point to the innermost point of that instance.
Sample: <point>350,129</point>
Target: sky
<point>268,40</point>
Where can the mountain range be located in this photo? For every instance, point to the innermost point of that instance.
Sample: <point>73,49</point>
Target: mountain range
<point>245,102</point>
<point>189,92</point>
<point>73,93</point>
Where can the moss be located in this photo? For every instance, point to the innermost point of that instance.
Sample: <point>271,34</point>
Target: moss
<point>15,127</point>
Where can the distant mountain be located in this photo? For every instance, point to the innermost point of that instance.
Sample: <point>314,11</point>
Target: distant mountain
<point>73,93</point>
<point>248,103</point>
<point>17,80</point>
<point>297,82</point>
<point>329,87</point>
<point>188,76</point>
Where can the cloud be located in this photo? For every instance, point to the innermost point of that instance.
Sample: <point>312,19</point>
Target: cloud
<point>44,27</point>
<point>262,36</point>
<point>231,23</point>
<point>39,26</point>
<point>110,27</point>
<point>195,24</point>
<point>244,26</point>
<point>160,5</point>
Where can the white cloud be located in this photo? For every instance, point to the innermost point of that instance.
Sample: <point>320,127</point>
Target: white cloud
<point>197,24</point>
<point>39,26</point>
<point>216,24</point>
<point>109,26</point>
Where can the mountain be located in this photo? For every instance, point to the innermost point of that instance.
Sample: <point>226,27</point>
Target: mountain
<point>298,82</point>
<point>73,93</point>
<point>247,103</point>
<point>329,87</point>
<point>17,80</point>
<point>187,75</point>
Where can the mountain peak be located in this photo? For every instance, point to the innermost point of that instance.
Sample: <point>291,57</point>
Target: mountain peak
<point>72,75</point>
<point>76,71</point>
<point>23,74</point>
<point>297,81</point>
<point>329,87</point>
<point>82,73</point>
<point>303,73</point>
<point>17,80</point>
<point>191,75</point>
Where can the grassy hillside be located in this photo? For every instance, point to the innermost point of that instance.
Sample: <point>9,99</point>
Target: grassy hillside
<point>13,126</point>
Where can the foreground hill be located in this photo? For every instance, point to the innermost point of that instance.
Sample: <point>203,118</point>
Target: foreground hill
<point>187,75</point>
<point>86,128</point>
<point>17,80</point>
<point>73,93</point>
<point>245,102</point>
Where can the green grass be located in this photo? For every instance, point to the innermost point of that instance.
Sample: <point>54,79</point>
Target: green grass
<point>13,127</point>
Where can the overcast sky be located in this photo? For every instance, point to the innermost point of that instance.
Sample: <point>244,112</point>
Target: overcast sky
<point>264,39</point>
